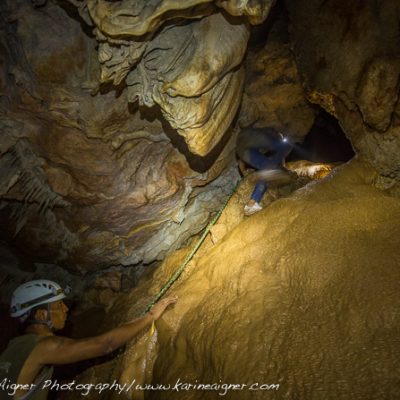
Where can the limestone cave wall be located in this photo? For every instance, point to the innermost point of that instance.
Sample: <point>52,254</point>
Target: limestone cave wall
<point>118,126</point>
<point>352,70</point>
<point>92,178</point>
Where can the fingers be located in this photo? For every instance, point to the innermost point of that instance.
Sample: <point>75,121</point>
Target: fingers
<point>170,300</point>
<point>164,303</point>
<point>160,306</point>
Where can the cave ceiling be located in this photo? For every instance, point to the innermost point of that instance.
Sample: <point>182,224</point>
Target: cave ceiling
<point>184,56</point>
<point>118,122</point>
<point>118,118</point>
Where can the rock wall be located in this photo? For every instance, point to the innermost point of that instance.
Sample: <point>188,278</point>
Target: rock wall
<point>294,296</point>
<point>117,144</point>
<point>348,56</point>
<point>92,175</point>
<point>273,93</point>
<point>186,57</point>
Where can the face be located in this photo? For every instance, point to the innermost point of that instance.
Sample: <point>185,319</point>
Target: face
<point>58,314</point>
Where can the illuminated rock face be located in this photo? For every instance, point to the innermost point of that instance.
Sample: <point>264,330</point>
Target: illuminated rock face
<point>89,180</point>
<point>294,295</point>
<point>92,178</point>
<point>303,294</point>
<point>183,56</point>
<point>349,60</point>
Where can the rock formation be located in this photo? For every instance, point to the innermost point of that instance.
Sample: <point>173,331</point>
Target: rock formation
<point>294,296</point>
<point>352,69</point>
<point>118,125</point>
<point>273,93</point>
<point>191,70</point>
<point>91,178</point>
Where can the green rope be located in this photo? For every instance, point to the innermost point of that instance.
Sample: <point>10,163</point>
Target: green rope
<point>178,273</point>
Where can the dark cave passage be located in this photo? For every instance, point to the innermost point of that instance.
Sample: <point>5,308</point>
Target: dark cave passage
<point>326,142</point>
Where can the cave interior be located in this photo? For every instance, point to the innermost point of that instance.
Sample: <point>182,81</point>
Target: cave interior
<point>119,122</point>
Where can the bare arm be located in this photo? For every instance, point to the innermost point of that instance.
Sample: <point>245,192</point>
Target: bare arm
<point>61,350</point>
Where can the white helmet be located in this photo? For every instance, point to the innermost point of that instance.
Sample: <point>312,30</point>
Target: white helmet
<point>33,293</point>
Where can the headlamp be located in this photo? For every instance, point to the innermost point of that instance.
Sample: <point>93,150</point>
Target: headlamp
<point>284,139</point>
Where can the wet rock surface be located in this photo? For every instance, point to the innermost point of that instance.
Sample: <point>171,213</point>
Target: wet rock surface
<point>294,295</point>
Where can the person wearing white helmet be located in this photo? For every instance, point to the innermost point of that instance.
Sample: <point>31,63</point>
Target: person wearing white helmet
<point>32,294</point>
<point>28,360</point>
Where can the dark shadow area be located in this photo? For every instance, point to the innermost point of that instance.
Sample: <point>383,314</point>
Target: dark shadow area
<point>149,114</point>
<point>9,328</point>
<point>18,243</point>
<point>108,87</point>
<point>260,33</point>
<point>196,162</point>
<point>80,324</point>
<point>15,255</point>
<point>73,13</point>
<point>326,142</point>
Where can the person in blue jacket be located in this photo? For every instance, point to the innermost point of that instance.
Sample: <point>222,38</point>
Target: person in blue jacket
<point>261,149</point>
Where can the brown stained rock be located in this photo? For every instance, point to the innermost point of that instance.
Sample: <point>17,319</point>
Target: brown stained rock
<point>294,295</point>
<point>42,59</point>
<point>119,204</point>
<point>273,94</point>
<point>347,55</point>
<point>378,92</point>
<point>109,280</point>
<point>136,18</point>
<point>87,179</point>
<point>190,70</point>
<point>212,123</point>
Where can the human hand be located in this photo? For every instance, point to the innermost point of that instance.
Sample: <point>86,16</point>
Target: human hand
<point>159,308</point>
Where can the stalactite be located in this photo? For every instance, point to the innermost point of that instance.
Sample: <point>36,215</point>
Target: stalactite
<point>37,195</point>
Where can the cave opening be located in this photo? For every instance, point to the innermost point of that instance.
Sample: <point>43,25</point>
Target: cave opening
<point>325,143</point>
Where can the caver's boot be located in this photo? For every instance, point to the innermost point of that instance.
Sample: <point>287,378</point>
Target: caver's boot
<point>251,209</point>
